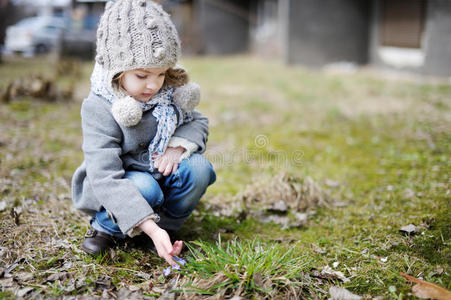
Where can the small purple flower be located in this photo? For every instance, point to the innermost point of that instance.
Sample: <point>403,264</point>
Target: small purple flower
<point>167,271</point>
<point>180,261</point>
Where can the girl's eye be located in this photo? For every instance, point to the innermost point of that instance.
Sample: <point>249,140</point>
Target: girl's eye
<point>162,75</point>
<point>141,76</point>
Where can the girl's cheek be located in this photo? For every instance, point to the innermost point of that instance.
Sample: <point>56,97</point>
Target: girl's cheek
<point>133,88</point>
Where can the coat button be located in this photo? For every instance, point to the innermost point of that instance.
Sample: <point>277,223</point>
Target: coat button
<point>142,145</point>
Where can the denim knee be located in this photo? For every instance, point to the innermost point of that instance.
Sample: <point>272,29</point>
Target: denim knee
<point>201,172</point>
<point>147,186</point>
<point>188,185</point>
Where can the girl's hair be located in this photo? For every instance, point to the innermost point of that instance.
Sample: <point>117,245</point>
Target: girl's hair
<point>173,76</point>
<point>176,77</point>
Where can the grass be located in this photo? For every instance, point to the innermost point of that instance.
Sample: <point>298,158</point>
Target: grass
<point>385,143</point>
<point>255,268</point>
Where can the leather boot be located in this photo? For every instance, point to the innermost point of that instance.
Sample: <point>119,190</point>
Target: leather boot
<point>97,242</point>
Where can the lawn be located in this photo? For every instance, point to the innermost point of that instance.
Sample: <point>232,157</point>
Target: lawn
<point>354,157</point>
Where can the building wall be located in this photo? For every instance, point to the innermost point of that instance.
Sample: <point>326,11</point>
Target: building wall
<point>182,14</point>
<point>437,41</point>
<point>223,25</point>
<point>327,31</point>
<point>266,31</point>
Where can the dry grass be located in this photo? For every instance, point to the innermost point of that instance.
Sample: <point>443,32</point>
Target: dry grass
<point>298,194</point>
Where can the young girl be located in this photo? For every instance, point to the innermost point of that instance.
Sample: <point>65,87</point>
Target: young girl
<point>142,168</point>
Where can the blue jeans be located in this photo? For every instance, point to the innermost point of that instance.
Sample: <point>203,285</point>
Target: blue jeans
<point>174,197</point>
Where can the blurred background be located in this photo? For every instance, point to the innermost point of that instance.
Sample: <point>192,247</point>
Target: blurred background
<point>413,35</point>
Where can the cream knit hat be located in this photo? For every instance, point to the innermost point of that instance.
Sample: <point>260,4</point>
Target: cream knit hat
<point>135,34</point>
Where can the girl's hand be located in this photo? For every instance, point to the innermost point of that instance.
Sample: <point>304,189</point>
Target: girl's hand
<point>162,241</point>
<point>169,161</point>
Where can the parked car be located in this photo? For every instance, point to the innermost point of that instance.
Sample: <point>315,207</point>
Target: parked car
<point>35,35</point>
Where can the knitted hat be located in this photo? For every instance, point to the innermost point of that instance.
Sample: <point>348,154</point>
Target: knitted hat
<point>135,34</point>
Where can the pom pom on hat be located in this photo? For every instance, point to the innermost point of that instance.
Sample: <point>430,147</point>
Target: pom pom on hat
<point>127,111</point>
<point>187,96</point>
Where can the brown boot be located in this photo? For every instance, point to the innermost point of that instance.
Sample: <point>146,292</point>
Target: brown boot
<point>97,242</point>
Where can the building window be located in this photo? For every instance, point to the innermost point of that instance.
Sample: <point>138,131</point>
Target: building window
<point>402,23</point>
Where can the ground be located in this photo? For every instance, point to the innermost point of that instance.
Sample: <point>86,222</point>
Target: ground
<point>374,150</point>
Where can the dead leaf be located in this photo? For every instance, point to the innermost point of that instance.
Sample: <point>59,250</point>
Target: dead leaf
<point>58,276</point>
<point>281,220</point>
<point>144,275</point>
<point>167,295</point>
<point>23,276</point>
<point>134,288</point>
<point>258,279</point>
<point>6,282</point>
<point>328,272</point>
<point>105,294</point>
<point>279,206</point>
<point>103,282</point>
<point>129,295</point>
<point>318,250</point>
<point>22,292</point>
<point>301,219</point>
<point>424,289</point>
<point>409,229</point>
<point>75,284</point>
<point>339,293</point>
<point>10,268</point>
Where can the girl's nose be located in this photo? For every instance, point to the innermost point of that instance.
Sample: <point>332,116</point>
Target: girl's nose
<point>151,84</point>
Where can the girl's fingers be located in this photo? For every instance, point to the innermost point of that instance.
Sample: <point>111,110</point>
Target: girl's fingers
<point>175,167</point>
<point>168,256</point>
<point>156,163</point>
<point>174,249</point>
<point>177,248</point>
<point>166,250</point>
<point>169,259</point>
<point>162,166</point>
<point>168,169</point>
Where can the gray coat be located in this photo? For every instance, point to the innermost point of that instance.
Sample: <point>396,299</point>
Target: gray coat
<point>109,150</point>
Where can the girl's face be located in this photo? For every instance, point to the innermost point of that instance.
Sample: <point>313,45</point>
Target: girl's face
<point>142,84</point>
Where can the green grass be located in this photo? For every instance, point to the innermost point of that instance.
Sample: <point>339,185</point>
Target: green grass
<point>386,143</point>
<point>258,269</point>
